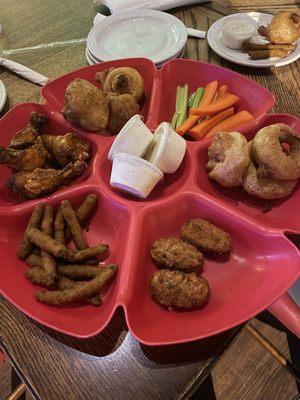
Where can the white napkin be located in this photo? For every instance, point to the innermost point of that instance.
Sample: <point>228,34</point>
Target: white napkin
<point>26,72</point>
<point>125,5</point>
<point>191,32</point>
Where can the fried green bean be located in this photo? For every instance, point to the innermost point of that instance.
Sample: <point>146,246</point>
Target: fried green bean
<point>65,283</point>
<point>73,225</point>
<point>83,213</point>
<point>89,253</point>
<point>39,276</point>
<point>80,292</point>
<point>48,261</point>
<point>79,271</point>
<point>26,247</point>
<point>59,228</point>
<point>48,244</point>
<point>86,208</point>
<point>34,261</point>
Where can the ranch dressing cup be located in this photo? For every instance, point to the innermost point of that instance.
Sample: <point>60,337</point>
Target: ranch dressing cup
<point>134,138</point>
<point>237,29</point>
<point>133,175</point>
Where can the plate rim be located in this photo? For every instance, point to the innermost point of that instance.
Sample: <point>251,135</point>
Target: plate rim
<point>140,13</point>
<point>268,63</point>
<point>3,99</point>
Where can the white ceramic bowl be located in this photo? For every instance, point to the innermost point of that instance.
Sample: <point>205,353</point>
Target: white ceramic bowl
<point>167,149</point>
<point>134,138</point>
<point>133,175</point>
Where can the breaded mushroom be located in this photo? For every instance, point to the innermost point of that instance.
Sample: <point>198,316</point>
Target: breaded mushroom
<point>205,236</point>
<point>179,289</point>
<point>173,253</point>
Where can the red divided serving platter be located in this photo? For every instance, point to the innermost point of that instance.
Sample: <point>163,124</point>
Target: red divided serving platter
<point>263,263</point>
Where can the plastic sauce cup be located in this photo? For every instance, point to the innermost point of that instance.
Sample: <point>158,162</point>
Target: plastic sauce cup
<point>133,175</point>
<point>167,149</point>
<point>133,138</point>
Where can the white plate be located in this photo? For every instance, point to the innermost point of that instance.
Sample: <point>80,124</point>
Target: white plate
<point>92,60</point>
<point>141,33</point>
<point>3,95</point>
<point>215,41</point>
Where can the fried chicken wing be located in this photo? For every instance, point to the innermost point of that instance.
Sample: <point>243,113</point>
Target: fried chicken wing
<point>27,136</point>
<point>66,148</point>
<point>121,108</point>
<point>42,181</point>
<point>28,159</point>
<point>86,105</point>
<point>283,29</point>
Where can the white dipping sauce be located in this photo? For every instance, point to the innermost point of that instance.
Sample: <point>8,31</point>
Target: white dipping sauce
<point>236,31</point>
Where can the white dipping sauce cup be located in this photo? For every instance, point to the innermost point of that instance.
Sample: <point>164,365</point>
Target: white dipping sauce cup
<point>133,138</point>
<point>237,29</point>
<point>133,175</point>
<point>167,149</point>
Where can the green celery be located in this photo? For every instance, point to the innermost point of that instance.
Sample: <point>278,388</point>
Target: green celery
<point>177,107</point>
<point>183,106</point>
<point>198,96</point>
<point>191,100</point>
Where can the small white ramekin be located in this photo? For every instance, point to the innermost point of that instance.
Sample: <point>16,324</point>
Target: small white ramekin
<point>134,138</point>
<point>133,175</point>
<point>167,149</point>
<point>236,40</point>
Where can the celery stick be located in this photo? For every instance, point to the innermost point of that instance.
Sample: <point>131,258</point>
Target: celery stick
<point>198,96</point>
<point>183,106</point>
<point>177,107</point>
<point>191,100</point>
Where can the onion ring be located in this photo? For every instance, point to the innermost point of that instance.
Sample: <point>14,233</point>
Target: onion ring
<point>228,158</point>
<point>268,153</point>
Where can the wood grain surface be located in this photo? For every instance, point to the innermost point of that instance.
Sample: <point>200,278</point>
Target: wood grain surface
<point>49,38</point>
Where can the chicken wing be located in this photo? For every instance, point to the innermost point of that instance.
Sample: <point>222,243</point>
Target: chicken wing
<point>42,181</point>
<point>121,108</point>
<point>283,29</point>
<point>29,159</point>
<point>66,148</point>
<point>27,136</point>
<point>86,105</point>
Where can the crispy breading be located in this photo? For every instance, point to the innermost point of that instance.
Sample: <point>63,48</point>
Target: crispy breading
<point>78,293</point>
<point>73,224</point>
<point>26,246</point>
<point>179,289</point>
<point>173,253</point>
<point>206,236</point>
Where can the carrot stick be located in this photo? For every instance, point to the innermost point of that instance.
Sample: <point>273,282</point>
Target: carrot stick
<point>208,95</point>
<point>215,96</point>
<point>232,122</point>
<point>226,101</point>
<point>200,130</point>
<point>222,90</point>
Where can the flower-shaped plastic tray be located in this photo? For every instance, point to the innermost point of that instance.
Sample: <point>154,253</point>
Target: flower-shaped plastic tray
<point>263,263</point>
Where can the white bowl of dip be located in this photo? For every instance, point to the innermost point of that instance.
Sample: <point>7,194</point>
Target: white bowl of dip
<point>133,175</point>
<point>237,29</point>
<point>133,138</point>
<point>167,149</point>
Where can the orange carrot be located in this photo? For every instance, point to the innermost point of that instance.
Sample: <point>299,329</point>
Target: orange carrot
<point>231,123</point>
<point>200,130</point>
<point>222,90</point>
<point>226,101</point>
<point>215,96</point>
<point>208,95</point>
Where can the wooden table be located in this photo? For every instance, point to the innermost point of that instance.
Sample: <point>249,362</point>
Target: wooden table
<point>48,37</point>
